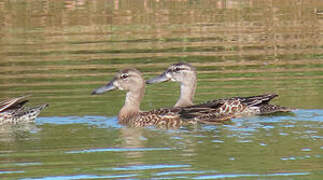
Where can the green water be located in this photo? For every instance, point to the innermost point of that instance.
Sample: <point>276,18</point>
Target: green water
<point>59,51</point>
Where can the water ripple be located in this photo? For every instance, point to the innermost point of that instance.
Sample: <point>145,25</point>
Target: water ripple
<point>20,164</point>
<point>11,172</point>
<point>83,176</point>
<point>182,172</point>
<point>150,166</point>
<point>222,176</point>
<point>118,150</point>
<point>99,121</point>
<point>306,149</point>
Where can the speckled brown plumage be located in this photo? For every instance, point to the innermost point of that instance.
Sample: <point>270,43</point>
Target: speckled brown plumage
<point>131,81</point>
<point>12,111</point>
<point>175,117</point>
<point>252,105</point>
<point>238,106</point>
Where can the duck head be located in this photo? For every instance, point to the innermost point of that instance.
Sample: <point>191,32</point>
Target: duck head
<point>126,80</point>
<point>179,72</point>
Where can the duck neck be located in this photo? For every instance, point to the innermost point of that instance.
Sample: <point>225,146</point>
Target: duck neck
<point>187,93</point>
<point>131,106</point>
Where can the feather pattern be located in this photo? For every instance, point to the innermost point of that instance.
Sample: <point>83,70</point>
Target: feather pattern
<point>252,105</point>
<point>131,80</point>
<point>12,111</point>
<point>174,117</point>
<point>185,74</point>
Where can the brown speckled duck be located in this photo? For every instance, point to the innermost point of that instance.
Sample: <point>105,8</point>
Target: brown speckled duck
<point>12,111</point>
<point>185,74</point>
<point>131,80</point>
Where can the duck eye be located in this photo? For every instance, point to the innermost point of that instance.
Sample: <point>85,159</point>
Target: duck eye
<point>124,76</point>
<point>177,69</point>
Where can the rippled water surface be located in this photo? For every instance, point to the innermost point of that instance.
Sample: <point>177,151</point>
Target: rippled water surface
<point>59,51</point>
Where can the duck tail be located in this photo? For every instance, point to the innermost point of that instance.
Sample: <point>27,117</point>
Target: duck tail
<point>28,115</point>
<point>257,100</point>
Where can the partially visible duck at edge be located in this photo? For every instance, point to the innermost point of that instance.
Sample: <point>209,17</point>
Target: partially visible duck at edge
<point>185,74</point>
<point>131,80</point>
<point>13,111</point>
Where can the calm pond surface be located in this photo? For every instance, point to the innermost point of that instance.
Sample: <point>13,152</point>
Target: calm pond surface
<point>59,51</point>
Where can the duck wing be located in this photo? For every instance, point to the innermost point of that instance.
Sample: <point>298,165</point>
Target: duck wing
<point>256,100</point>
<point>248,101</point>
<point>248,105</point>
<point>261,104</point>
<point>212,112</point>
<point>13,103</point>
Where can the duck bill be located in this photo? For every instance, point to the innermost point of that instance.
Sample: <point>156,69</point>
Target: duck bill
<point>105,88</point>
<point>161,78</point>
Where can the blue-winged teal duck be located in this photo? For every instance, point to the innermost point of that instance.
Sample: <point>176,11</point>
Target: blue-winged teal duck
<point>12,111</point>
<point>131,80</point>
<point>185,74</point>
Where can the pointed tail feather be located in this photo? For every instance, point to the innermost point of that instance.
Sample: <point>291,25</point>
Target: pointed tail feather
<point>257,100</point>
<point>29,114</point>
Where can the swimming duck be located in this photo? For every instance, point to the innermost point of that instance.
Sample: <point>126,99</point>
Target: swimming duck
<point>131,80</point>
<point>185,74</point>
<point>12,111</point>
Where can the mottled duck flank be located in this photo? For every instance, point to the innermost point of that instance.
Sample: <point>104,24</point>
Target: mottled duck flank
<point>131,80</point>
<point>13,111</point>
<point>185,74</point>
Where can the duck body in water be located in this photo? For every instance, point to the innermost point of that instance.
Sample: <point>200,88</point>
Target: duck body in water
<point>185,74</point>
<point>131,80</point>
<point>13,111</point>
